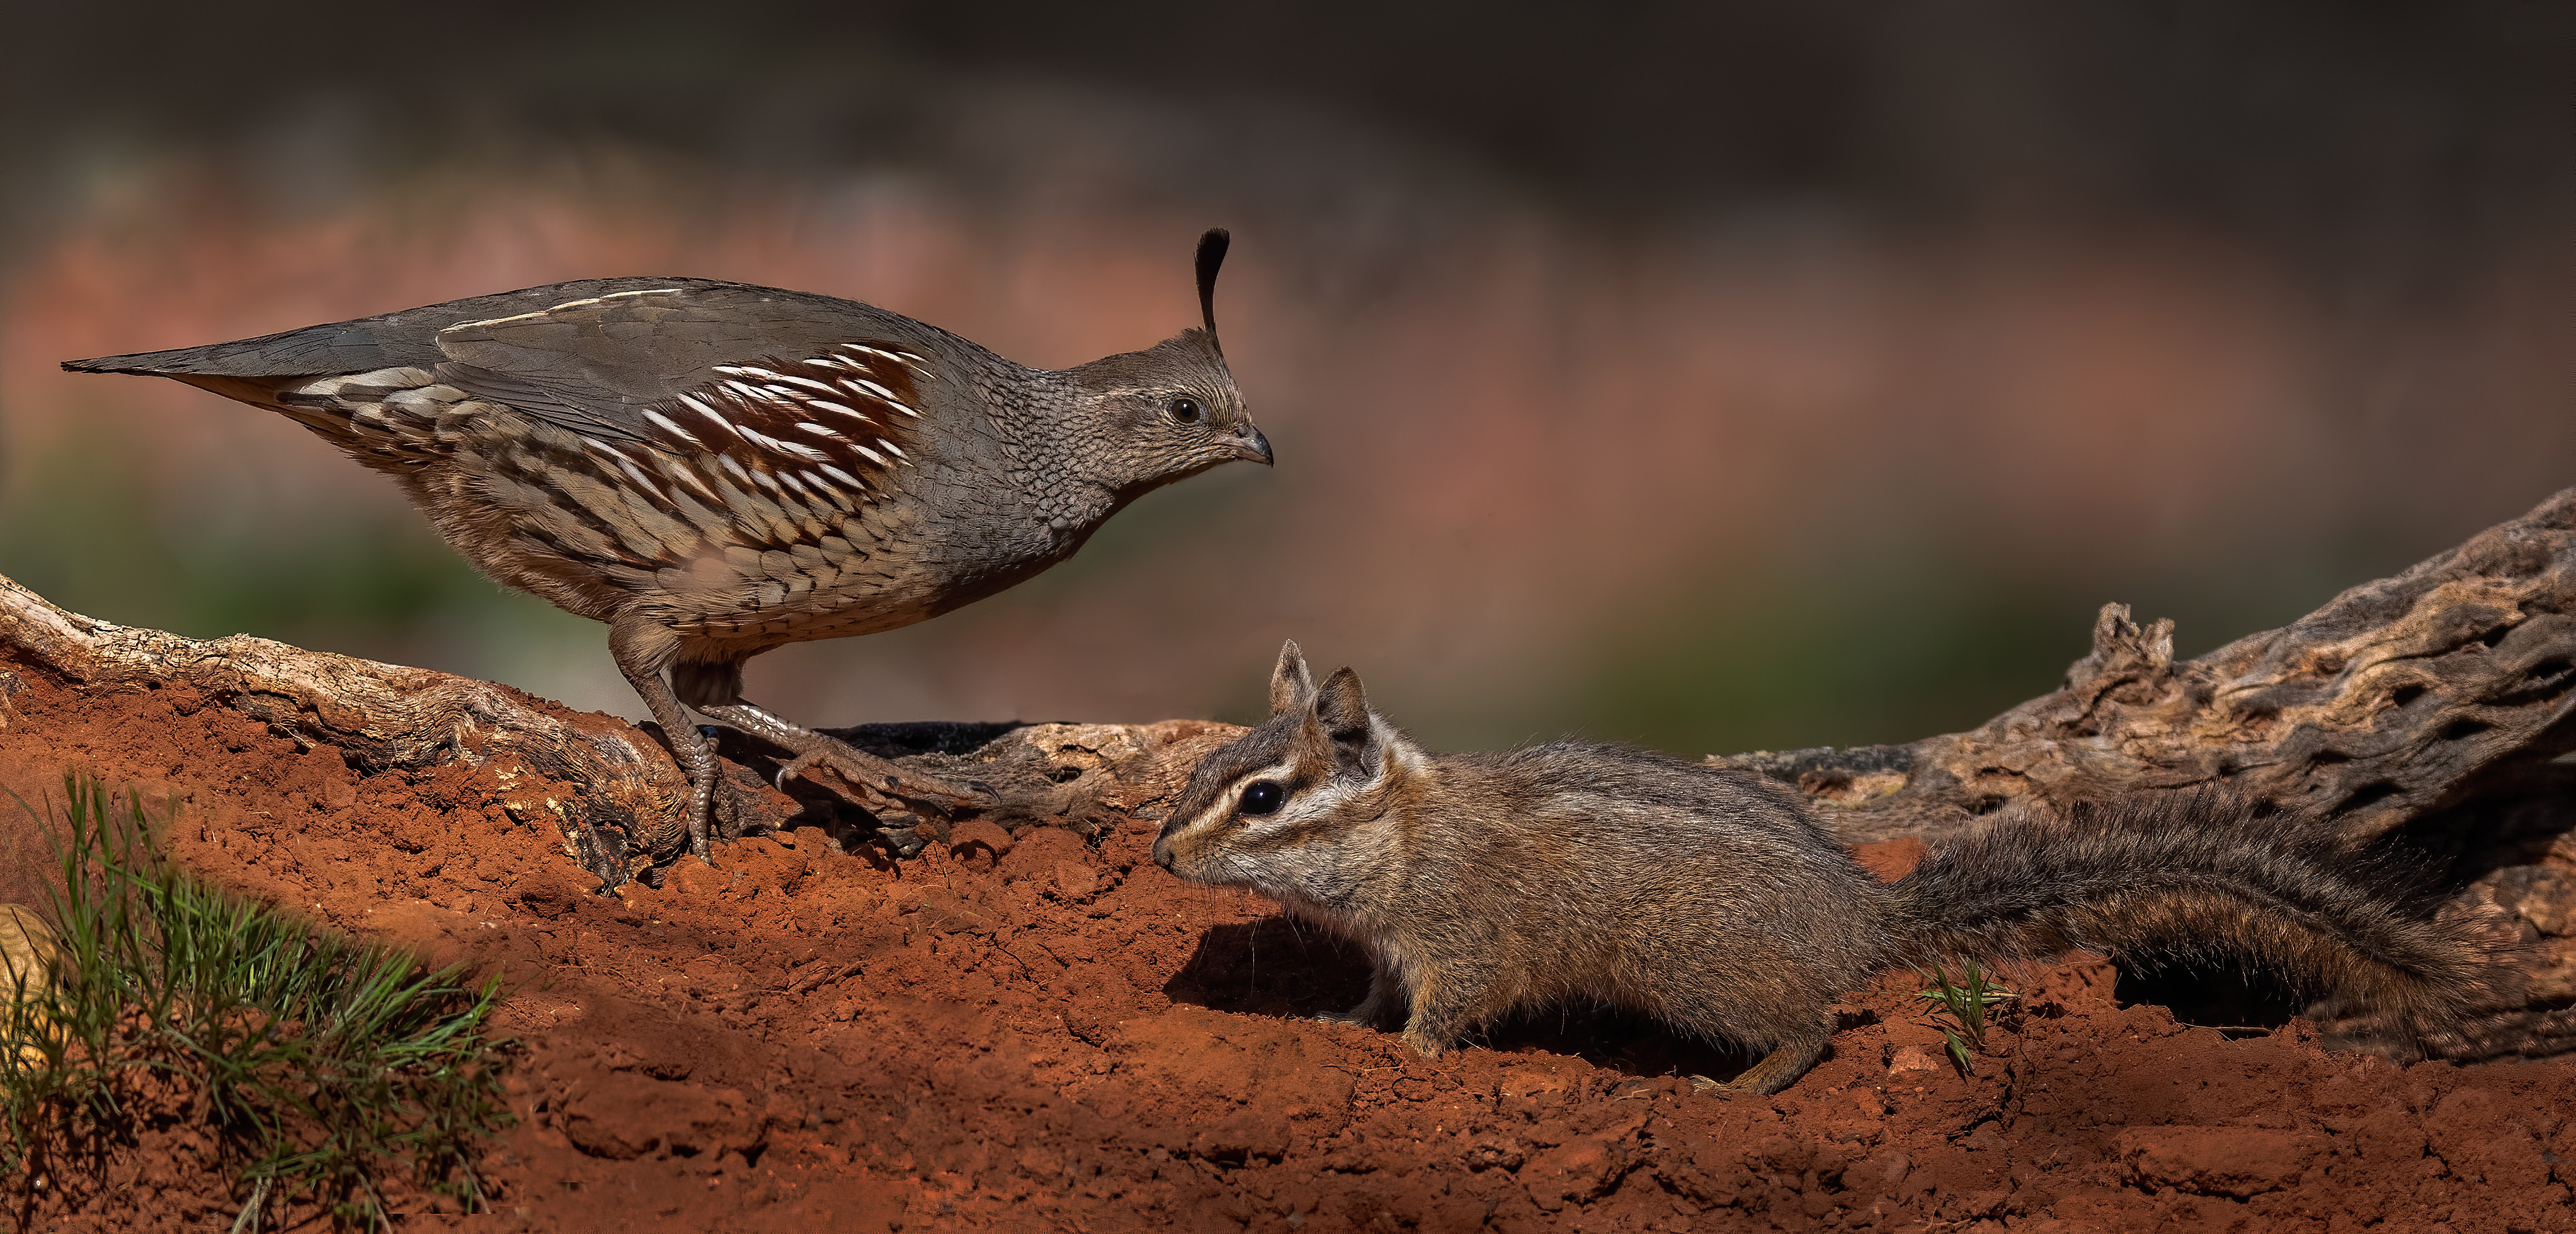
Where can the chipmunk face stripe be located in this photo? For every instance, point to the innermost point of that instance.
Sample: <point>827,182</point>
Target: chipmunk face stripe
<point>1309,799</point>
<point>1221,801</point>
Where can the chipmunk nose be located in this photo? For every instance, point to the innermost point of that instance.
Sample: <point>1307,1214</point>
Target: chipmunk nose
<point>1163,852</point>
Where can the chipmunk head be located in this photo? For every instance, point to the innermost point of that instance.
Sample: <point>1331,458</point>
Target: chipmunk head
<point>1288,807</point>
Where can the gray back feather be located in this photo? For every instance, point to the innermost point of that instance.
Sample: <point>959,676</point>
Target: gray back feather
<point>590,355</point>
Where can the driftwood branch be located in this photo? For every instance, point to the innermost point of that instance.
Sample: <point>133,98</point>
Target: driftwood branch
<point>610,788</point>
<point>2436,703</point>
<point>2398,698</point>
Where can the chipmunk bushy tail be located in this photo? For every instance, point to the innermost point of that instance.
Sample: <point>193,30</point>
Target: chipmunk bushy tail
<point>2197,879</point>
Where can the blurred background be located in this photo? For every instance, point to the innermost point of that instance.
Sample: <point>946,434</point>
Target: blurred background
<point>1709,376</point>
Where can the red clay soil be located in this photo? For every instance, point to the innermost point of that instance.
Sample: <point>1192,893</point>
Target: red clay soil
<point>1042,1034</point>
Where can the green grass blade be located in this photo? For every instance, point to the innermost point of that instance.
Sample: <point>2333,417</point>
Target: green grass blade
<point>329,1065</point>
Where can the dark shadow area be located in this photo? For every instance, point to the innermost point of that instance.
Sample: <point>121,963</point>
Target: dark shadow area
<point>2241,1002</point>
<point>1274,967</point>
<point>1277,967</point>
<point>1615,1040</point>
<point>925,736</point>
<point>2508,814</point>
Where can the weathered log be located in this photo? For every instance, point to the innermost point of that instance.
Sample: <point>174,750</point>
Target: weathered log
<point>610,788</point>
<point>2390,702</point>
<point>2437,702</point>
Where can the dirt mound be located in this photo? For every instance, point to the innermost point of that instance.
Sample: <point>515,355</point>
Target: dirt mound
<point>1046,1031</point>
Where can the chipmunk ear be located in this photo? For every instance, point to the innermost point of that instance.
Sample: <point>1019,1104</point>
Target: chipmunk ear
<point>1341,710</point>
<point>1291,686</point>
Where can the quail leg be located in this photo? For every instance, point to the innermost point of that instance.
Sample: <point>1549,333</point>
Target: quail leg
<point>878,778</point>
<point>642,651</point>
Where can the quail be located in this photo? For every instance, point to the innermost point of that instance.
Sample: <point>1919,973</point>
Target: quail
<point>714,469</point>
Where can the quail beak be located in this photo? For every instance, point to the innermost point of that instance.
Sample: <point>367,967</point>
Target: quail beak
<point>1251,446</point>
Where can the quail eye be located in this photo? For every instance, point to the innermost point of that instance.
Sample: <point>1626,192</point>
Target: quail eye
<point>1262,797</point>
<point>1187,410</point>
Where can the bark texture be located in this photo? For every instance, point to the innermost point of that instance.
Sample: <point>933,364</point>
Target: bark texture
<point>2399,698</point>
<point>2430,709</point>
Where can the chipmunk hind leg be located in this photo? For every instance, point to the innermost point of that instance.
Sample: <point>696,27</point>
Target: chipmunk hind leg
<point>1448,1003</point>
<point>1385,996</point>
<point>1778,1069</point>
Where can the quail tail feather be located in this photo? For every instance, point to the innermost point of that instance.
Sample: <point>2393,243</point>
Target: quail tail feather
<point>342,347</point>
<point>2198,879</point>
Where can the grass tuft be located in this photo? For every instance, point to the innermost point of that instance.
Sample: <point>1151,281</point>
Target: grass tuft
<point>1964,1004</point>
<point>326,1067</point>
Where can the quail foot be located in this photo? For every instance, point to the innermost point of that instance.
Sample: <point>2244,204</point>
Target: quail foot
<point>714,469</point>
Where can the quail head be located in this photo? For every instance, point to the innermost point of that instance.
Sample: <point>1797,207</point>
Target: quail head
<point>714,469</point>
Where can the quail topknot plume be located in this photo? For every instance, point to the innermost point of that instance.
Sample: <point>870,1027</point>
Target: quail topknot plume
<point>715,469</point>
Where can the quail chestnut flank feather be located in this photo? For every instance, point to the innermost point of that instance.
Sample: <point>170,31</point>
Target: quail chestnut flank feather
<point>715,469</point>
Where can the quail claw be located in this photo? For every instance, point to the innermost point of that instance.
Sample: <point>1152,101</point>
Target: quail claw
<point>796,766</point>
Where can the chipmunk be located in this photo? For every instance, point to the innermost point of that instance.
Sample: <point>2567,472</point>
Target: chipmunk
<point>1713,900</point>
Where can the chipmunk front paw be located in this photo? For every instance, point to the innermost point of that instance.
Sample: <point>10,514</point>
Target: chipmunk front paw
<point>1372,1011</point>
<point>1424,1044</point>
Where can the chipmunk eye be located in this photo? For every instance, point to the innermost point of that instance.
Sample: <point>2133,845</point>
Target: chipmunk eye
<point>1262,797</point>
<point>1186,410</point>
